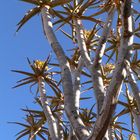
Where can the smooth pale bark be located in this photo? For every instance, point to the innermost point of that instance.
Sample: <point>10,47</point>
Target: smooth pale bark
<point>76,71</point>
<point>86,58</point>
<point>134,86</point>
<point>52,123</point>
<point>69,103</point>
<point>136,94</point>
<point>76,82</point>
<point>59,121</point>
<point>111,133</point>
<point>32,136</point>
<point>72,135</point>
<point>94,68</point>
<point>136,116</point>
<point>102,42</point>
<point>134,110</point>
<point>81,40</point>
<point>81,43</point>
<point>119,75</point>
<point>96,75</point>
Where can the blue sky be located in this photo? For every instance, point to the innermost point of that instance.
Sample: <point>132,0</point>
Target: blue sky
<point>29,42</point>
<point>14,49</point>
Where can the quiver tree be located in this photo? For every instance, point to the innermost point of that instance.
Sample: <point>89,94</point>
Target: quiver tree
<point>105,55</point>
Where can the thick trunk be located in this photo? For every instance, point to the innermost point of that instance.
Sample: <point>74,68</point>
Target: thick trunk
<point>69,103</point>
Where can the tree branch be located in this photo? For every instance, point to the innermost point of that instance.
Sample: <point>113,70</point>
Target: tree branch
<point>96,72</point>
<point>102,42</point>
<point>52,124</point>
<point>76,82</point>
<point>69,104</point>
<point>60,120</point>
<point>81,43</point>
<point>119,75</point>
<point>134,86</point>
<point>134,111</point>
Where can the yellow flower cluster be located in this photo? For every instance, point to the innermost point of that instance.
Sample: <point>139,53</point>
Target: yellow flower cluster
<point>39,65</point>
<point>87,33</point>
<point>108,68</point>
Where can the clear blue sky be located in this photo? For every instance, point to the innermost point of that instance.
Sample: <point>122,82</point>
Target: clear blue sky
<point>14,49</point>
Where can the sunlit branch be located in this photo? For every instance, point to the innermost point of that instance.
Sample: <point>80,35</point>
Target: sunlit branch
<point>137,119</point>
<point>52,124</point>
<point>96,76</point>
<point>134,111</point>
<point>81,42</point>
<point>76,82</point>
<point>119,75</point>
<point>60,121</point>
<point>69,103</point>
<point>102,42</point>
<point>134,86</point>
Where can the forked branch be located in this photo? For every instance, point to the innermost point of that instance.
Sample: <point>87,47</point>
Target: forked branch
<point>119,75</point>
<point>69,103</point>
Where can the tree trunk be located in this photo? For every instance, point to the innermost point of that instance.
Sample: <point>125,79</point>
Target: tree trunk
<point>119,75</point>
<point>69,102</point>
